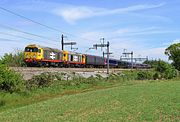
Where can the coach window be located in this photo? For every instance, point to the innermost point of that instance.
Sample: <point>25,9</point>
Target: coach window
<point>71,57</point>
<point>60,55</point>
<point>79,58</point>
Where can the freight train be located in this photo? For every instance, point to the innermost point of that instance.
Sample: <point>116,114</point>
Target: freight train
<point>35,55</point>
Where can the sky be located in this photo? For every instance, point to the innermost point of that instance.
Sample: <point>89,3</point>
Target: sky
<point>146,27</point>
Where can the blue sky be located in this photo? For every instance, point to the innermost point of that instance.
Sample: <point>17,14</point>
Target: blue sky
<point>146,27</point>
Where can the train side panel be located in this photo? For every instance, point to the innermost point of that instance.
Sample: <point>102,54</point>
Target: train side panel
<point>95,61</point>
<point>90,60</point>
<point>99,61</point>
<point>50,54</point>
<point>113,62</point>
<point>72,59</point>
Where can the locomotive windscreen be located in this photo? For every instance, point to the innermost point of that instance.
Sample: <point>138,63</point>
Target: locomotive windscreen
<point>30,49</point>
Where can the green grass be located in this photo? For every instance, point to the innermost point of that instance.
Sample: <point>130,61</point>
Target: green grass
<point>157,101</point>
<point>14,100</point>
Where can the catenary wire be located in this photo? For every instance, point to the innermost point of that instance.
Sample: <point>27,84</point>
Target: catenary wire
<point>28,33</point>
<point>22,37</point>
<point>36,22</point>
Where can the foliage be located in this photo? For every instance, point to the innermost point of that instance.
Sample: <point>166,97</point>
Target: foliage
<point>144,75</point>
<point>42,80</point>
<point>163,69</point>
<point>13,60</point>
<point>63,79</point>
<point>157,76</point>
<point>9,80</point>
<point>153,63</point>
<point>167,70</point>
<point>173,51</point>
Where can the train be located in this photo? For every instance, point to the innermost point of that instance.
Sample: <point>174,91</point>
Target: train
<point>35,55</point>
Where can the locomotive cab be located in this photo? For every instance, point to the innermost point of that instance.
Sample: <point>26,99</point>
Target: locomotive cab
<point>33,53</point>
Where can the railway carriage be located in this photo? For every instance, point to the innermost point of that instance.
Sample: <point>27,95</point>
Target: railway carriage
<point>113,63</point>
<point>94,61</point>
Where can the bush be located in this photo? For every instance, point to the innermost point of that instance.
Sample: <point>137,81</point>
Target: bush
<point>10,81</point>
<point>157,76</point>
<point>13,60</point>
<point>39,81</point>
<point>144,75</point>
<point>166,69</point>
<point>129,75</point>
<point>170,73</point>
<point>62,79</point>
<point>153,63</point>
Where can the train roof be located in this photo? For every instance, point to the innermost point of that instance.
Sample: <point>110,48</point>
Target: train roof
<point>54,49</point>
<point>45,48</point>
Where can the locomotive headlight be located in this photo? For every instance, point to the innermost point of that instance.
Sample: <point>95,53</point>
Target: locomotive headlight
<point>34,56</point>
<point>27,56</point>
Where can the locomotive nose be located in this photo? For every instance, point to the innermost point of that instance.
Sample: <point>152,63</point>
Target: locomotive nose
<point>30,55</point>
<point>34,56</point>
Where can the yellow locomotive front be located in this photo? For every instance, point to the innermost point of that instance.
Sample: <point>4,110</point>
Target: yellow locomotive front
<point>33,54</point>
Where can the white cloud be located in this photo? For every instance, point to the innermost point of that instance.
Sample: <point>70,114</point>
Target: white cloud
<point>135,30</point>
<point>142,31</point>
<point>118,44</point>
<point>155,53</point>
<point>74,13</point>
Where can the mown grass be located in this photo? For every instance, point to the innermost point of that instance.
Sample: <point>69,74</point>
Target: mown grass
<point>145,101</point>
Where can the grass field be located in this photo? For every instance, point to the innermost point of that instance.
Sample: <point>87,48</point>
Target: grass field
<point>158,101</point>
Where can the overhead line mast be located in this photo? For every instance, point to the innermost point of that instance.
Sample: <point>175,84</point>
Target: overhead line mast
<point>108,53</point>
<point>67,43</point>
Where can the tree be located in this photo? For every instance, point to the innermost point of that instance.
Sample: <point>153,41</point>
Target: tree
<point>163,69</point>
<point>173,51</point>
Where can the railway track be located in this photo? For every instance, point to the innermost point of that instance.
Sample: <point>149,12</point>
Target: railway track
<point>28,72</point>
